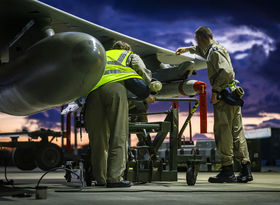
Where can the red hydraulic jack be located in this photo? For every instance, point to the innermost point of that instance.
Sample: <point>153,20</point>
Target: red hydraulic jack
<point>200,87</point>
<point>68,132</point>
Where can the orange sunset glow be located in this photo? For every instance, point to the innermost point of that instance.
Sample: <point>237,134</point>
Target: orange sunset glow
<point>17,123</point>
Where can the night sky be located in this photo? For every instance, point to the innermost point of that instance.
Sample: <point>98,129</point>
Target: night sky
<point>250,30</point>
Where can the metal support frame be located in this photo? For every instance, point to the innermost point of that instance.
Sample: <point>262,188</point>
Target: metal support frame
<point>22,32</point>
<point>4,54</point>
<point>75,134</point>
<point>155,169</point>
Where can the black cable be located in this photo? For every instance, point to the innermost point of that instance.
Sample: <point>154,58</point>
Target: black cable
<point>11,182</point>
<point>8,182</point>
<point>66,169</point>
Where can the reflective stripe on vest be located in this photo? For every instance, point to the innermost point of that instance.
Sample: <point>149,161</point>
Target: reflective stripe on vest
<point>120,58</point>
<point>232,86</point>
<point>117,72</point>
<point>116,69</point>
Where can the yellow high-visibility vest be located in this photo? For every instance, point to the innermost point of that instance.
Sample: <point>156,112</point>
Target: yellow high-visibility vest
<point>116,69</point>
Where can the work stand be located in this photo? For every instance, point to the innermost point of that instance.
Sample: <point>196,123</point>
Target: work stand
<point>144,164</point>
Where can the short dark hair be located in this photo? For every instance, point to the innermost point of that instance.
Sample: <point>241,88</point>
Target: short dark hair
<point>121,46</point>
<point>204,32</point>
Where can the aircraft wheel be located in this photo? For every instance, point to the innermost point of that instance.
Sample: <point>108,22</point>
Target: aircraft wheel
<point>24,158</point>
<point>190,176</point>
<point>49,156</point>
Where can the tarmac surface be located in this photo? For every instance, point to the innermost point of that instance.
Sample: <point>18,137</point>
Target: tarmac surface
<point>265,189</point>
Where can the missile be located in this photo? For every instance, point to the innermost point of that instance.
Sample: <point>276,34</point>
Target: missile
<point>181,88</point>
<point>55,71</point>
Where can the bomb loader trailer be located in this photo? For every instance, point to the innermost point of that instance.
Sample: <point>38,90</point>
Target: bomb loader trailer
<point>153,168</point>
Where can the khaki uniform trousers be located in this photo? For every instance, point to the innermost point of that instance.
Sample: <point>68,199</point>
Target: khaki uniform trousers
<point>229,134</point>
<point>106,120</point>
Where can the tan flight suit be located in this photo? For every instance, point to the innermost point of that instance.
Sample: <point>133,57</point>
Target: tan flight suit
<point>228,130</point>
<point>134,61</point>
<point>107,113</point>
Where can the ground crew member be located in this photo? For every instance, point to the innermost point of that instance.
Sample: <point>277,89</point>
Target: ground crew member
<point>106,114</point>
<point>229,134</point>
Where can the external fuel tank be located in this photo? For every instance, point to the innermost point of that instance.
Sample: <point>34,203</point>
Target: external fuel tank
<point>55,71</point>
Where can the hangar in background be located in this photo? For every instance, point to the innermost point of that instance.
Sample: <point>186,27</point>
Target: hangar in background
<point>267,141</point>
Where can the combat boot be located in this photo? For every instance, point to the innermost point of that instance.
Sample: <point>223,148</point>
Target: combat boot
<point>245,174</point>
<point>226,175</point>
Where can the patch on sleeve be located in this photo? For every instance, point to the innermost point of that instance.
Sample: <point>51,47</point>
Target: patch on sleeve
<point>210,52</point>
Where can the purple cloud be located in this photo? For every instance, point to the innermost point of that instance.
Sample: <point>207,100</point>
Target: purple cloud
<point>48,119</point>
<point>275,123</point>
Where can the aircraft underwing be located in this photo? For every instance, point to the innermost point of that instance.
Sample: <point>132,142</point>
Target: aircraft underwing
<point>50,57</point>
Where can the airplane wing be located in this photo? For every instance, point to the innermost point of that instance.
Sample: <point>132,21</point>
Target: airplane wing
<point>50,57</point>
<point>107,36</point>
<point>21,12</point>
